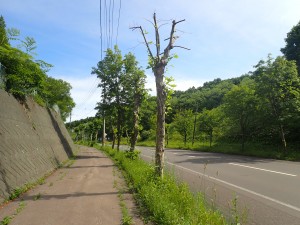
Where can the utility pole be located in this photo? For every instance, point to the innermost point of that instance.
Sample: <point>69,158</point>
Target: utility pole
<point>103,133</point>
<point>70,117</point>
<point>103,130</point>
<point>194,130</point>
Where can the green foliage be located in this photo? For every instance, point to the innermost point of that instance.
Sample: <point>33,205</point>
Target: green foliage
<point>169,88</point>
<point>13,34</point>
<point>278,84</point>
<point>166,201</point>
<point>3,33</point>
<point>184,123</point>
<point>57,91</point>
<point>23,76</point>
<point>292,48</point>
<point>133,155</point>
<point>6,220</point>
<point>123,91</point>
<point>29,44</point>
<point>85,130</point>
<point>240,106</point>
<point>145,134</point>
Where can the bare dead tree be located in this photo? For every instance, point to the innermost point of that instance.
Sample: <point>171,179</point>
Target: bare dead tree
<point>158,63</point>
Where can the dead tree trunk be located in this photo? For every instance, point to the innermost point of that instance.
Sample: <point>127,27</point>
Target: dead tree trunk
<point>158,63</point>
<point>160,120</point>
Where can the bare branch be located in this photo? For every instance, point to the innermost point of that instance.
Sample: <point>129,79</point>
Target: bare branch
<point>162,25</point>
<point>171,41</point>
<point>142,32</point>
<point>169,38</point>
<point>177,46</point>
<point>156,37</point>
<point>150,22</point>
<point>134,28</point>
<point>179,21</point>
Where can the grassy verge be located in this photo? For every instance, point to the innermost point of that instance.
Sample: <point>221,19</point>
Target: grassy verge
<point>251,149</point>
<point>164,200</point>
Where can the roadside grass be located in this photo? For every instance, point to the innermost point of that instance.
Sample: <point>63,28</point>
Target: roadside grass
<point>164,201</point>
<point>126,217</point>
<point>251,149</point>
<point>26,187</point>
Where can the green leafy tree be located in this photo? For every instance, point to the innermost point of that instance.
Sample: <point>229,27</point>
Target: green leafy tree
<point>240,106</point>
<point>23,76</point>
<point>57,91</point>
<point>208,122</point>
<point>292,47</point>
<point>134,85</point>
<point>278,85</point>
<point>183,122</point>
<point>109,71</point>
<point>3,34</point>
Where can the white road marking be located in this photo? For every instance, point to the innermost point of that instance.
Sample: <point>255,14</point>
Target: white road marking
<point>256,168</point>
<point>236,186</point>
<point>191,156</point>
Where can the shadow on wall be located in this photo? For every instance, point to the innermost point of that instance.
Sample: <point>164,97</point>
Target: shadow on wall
<point>64,141</point>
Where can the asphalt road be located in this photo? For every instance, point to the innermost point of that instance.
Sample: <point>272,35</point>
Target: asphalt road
<point>266,191</point>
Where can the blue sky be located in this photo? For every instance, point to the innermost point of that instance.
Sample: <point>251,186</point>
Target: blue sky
<point>226,37</point>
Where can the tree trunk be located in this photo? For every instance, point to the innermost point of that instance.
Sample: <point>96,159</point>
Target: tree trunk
<point>135,132</point>
<point>210,137</point>
<point>113,140</point>
<point>161,110</point>
<point>242,131</point>
<point>282,137</point>
<point>119,129</point>
<point>158,67</point>
<point>96,136</point>
<point>194,129</point>
<point>103,132</point>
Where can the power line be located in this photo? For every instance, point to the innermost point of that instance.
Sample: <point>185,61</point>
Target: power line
<point>106,27</point>
<point>109,22</point>
<point>120,5</point>
<point>112,23</point>
<point>101,37</point>
<point>89,94</point>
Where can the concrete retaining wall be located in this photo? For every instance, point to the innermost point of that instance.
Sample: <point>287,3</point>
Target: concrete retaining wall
<point>33,141</point>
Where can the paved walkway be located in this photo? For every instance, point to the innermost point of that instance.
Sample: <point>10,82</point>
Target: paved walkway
<point>84,193</point>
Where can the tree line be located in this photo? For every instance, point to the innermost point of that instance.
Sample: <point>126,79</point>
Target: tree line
<point>23,75</point>
<point>262,106</point>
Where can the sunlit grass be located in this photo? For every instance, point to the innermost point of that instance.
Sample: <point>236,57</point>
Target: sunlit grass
<point>164,200</point>
<point>250,149</point>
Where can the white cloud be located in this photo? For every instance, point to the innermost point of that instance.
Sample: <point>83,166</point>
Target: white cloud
<point>182,83</point>
<point>86,94</point>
